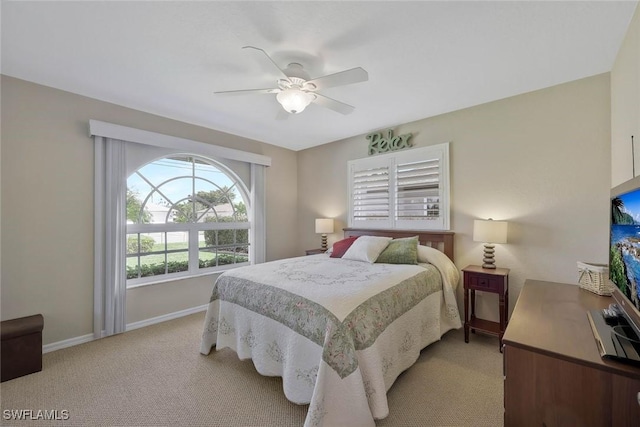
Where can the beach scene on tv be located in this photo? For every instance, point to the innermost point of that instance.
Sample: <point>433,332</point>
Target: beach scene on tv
<point>624,257</point>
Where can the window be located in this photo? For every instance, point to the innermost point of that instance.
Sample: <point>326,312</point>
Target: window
<point>186,240</point>
<point>404,190</point>
<point>186,215</point>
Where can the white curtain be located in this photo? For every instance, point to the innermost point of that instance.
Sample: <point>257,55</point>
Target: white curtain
<point>258,214</point>
<point>110,283</point>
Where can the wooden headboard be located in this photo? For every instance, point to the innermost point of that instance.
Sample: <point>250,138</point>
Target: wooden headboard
<point>441,240</point>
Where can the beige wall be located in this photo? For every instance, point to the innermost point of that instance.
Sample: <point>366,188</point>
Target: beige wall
<point>539,160</point>
<point>47,208</point>
<point>625,106</point>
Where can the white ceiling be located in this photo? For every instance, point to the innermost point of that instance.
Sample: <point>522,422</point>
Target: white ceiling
<point>423,58</point>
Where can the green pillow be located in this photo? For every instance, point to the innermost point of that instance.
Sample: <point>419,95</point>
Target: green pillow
<point>400,251</point>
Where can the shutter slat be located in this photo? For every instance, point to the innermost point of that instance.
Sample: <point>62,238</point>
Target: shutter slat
<point>371,208</point>
<point>420,172</point>
<point>419,180</point>
<point>372,203</point>
<point>371,195</point>
<point>361,172</point>
<point>371,188</point>
<point>416,194</point>
<point>416,207</point>
<point>367,179</point>
<point>419,163</point>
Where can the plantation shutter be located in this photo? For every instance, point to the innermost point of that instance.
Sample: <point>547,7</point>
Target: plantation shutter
<point>417,192</point>
<point>370,194</point>
<point>403,190</point>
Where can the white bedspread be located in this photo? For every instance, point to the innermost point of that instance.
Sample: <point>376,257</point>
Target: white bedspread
<point>338,332</point>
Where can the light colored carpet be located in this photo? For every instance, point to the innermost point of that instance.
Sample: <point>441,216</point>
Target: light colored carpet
<point>155,376</point>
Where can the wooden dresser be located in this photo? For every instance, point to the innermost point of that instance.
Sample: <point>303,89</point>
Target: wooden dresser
<point>554,375</point>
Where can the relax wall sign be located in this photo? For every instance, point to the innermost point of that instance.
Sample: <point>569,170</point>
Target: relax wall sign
<point>381,144</point>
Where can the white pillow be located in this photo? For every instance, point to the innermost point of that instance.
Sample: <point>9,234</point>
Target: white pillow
<point>367,248</point>
<point>442,262</point>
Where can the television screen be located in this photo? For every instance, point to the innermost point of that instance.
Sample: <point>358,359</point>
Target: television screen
<point>624,253</point>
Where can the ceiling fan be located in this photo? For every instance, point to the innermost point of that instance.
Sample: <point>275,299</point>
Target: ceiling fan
<point>296,90</point>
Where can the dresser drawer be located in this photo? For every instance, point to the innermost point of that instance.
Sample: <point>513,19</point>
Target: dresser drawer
<point>481,282</point>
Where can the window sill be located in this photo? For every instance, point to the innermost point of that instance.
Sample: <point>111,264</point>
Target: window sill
<point>190,276</point>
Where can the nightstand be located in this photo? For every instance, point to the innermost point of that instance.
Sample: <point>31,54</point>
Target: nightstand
<point>494,280</point>
<point>315,251</point>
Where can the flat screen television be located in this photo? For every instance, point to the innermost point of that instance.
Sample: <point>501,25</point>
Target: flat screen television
<point>617,329</point>
<point>624,248</point>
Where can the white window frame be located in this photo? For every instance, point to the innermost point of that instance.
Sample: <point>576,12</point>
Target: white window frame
<point>390,162</point>
<point>193,230</point>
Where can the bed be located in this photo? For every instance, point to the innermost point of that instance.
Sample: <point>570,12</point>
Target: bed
<point>338,331</point>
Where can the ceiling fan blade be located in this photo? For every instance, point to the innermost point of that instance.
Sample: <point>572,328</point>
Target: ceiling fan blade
<point>245,91</point>
<point>272,61</point>
<point>332,104</point>
<point>347,77</point>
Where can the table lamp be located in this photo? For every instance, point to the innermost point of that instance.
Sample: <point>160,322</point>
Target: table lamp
<point>324,226</point>
<point>489,232</point>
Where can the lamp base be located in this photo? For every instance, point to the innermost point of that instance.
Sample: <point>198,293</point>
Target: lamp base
<point>489,255</point>
<point>324,242</point>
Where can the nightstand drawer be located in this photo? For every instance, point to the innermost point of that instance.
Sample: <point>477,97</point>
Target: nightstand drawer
<point>484,283</point>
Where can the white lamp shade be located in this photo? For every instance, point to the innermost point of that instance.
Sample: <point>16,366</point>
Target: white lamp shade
<point>324,225</point>
<point>489,231</point>
<point>294,101</point>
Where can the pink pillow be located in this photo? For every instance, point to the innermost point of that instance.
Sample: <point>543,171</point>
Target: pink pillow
<point>340,247</point>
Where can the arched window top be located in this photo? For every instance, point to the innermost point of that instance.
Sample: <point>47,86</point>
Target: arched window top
<point>185,189</point>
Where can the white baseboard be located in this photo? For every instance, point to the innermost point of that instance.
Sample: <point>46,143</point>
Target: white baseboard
<point>67,343</point>
<point>165,317</point>
<point>130,326</point>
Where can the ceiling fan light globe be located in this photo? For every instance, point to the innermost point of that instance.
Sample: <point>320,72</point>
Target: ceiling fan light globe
<point>294,101</point>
